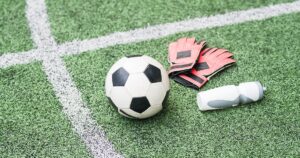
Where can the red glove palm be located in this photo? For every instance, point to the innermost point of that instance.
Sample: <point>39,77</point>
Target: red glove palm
<point>210,62</point>
<point>183,55</point>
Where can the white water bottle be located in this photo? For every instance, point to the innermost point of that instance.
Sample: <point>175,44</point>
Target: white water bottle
<point>230,96</point>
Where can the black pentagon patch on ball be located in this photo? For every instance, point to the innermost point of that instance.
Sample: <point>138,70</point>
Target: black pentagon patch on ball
<point>139,104</point>
<point>153,73</point>
<point>120,77</point>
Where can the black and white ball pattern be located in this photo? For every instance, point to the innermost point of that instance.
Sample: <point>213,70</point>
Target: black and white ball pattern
<point>137,86</point>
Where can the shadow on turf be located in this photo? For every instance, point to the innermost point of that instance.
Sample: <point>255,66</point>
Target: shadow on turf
<point>159,116</point>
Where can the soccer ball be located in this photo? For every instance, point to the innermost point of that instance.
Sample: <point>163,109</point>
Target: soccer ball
<point>137,86</point>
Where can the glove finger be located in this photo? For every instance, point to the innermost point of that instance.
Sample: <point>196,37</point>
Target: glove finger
<point>181,44</point>
<point>227,61</point>
<point>172,47</point>
<point>224,63</point>
<point>228,64</point>
<point>218,52</point>
<point>172,52</point>
<point>208,51</point>
<point>199,46</point>
<point>225,56</point>
<point>202,44</point>
<point>190,42</point>
<point>217,56</point>
<point>202,57</point>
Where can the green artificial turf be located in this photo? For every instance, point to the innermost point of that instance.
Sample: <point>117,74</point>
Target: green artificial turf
<point>81,19</point>
<point>266,51</point>
<point>14,31</point>
<point>32,123</point>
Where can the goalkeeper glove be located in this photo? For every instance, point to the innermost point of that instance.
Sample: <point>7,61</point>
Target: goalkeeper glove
<point>210,62</point>
<point>183,55</point>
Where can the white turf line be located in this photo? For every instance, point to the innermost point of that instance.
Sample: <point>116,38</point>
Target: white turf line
<point>152,32</point>
<point>64,88</point>
<point>73,106</point>
<point>36,14</point>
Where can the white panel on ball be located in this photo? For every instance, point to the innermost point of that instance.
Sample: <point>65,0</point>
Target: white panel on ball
<point>150,60</point>
<point>130,113</point>
<point>165,79</point>
<point>151,111</point>
<point>137,85</point>
<point>120,97</point>
<point>108,85</point>
<point>156,93</point>
<point>135,65</point>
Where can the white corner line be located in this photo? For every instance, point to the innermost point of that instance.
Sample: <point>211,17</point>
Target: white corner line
<point>163,30</point>
<point>37,17</point>
<point>10,59</point>
<point>77,112</point>
<point>152,32</point>
<point>57,74</point>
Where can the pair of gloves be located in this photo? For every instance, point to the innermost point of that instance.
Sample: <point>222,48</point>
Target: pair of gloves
<point>192,64</point>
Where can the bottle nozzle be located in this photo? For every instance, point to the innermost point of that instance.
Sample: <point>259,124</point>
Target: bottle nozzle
<point>264,88</point>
